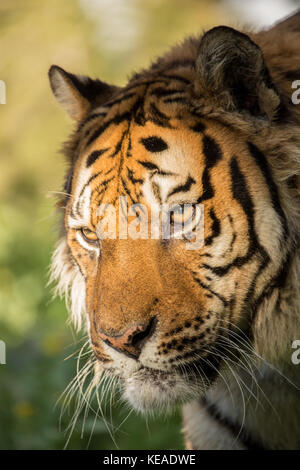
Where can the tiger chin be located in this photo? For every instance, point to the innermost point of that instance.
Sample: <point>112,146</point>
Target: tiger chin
<point>211,125</point>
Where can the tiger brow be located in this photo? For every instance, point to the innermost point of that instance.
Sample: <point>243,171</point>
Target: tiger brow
<point>95,155</point>
<point>153,167</point>
<point>182,188</point>
<point>74,221</point>
<point>154,144</point>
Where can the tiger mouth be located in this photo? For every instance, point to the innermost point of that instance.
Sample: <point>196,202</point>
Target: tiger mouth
<point>149,389</point>
<point>190,372</point>
<point>203,369</point>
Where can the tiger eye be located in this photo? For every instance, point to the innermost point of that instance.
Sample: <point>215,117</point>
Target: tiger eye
<point>89,235</point>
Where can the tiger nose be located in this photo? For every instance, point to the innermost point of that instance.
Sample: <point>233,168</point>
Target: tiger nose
<point>132,341</point>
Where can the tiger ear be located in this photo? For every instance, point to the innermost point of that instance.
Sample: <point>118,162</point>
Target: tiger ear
<point>76,93</point>
<point>231,72</point>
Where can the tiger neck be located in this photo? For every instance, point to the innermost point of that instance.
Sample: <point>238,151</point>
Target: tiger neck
<point>277,322</point>
<point>261,411</point>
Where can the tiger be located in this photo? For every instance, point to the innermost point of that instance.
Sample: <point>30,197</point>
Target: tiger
<point>211,123</point>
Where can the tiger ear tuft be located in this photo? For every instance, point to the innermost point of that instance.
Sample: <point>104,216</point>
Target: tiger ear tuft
<point>231,71</point>
<point>77,94</point>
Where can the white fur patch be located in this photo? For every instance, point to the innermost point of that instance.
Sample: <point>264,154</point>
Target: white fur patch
<point>148,389</point>
<point>69,284</point>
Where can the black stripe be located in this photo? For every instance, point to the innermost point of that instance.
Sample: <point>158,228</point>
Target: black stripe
<point>149,165</point>
<point>116,120</point>
<point>77,264</point>
<point>153,167</point>
<point>276,282</point>
<point>240,191</point>
<point>234,234</point>
<point>159,118</point>
<point>105,182</point>
<point>118,146</point>
<point>94,156</point>
<point>241,194</point>
<point>130,175</point>
<point>235,429</point>
<point>127,190</point>
<point>83,188</point>
<point>163,92</point>
<point>215,228</point>
<point>100,195</point>
<point>129,148</point>
<point>262,163</point>
<point>98,132</point>
<point>205,287</point>
<point>179,78</point>
<point>110,170</point>
<point>213,154</point>
<point>183,188</point>
<point>250,293</point>
<point>124,97</point>
<point>138,110</point>
<point>137,81</point>
<point>179,99</point>
<point>156,192</point>
<point>90,118</point>
<point>101,187</point>
<point>199,127</point>
<point>68,183</point>
<point>154,144</point>
<point>292,74</point>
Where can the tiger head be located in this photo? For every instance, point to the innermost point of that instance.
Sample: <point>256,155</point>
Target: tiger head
<point>193,130</point>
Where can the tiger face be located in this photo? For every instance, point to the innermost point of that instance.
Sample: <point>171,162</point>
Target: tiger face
<point>160,315</point>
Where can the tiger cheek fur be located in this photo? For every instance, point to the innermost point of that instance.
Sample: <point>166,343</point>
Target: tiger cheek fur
<point>168,321</point>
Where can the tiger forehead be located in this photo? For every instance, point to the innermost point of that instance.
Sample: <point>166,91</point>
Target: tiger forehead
<point>138,164</point>
<point>139,103</point>
<point>149,162</point>
<point>151,108</point>
<point>122,161</point>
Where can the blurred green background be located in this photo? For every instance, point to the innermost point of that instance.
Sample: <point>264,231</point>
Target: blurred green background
<point>108,39</point>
